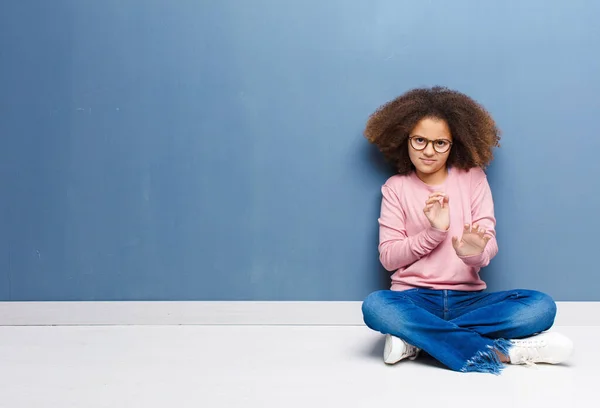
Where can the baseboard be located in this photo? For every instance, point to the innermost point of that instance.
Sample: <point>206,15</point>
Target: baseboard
<point>224,313</point>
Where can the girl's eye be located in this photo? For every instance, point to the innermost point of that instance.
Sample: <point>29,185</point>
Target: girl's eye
<point>419,140</point>
<point>442,143</point>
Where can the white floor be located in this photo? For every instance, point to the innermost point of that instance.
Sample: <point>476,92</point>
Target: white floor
<point>264,366</point>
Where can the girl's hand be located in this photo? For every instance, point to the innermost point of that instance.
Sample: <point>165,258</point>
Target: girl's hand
<point>437,211</point>
<point>473,241</point>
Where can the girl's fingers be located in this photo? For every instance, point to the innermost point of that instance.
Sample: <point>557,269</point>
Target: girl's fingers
<point>475,228</point>
<point>455,242</point>
<point>432,201</point>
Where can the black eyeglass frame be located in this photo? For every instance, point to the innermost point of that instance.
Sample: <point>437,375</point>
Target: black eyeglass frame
<point>432,143</point>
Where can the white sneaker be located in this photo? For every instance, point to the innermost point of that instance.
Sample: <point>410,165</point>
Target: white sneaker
<point>548,347</point>
<point>397,349</point>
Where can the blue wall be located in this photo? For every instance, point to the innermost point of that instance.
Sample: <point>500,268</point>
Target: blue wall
<point>212,150</point>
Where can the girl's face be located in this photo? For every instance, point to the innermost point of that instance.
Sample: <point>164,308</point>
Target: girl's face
<point>429,146</point>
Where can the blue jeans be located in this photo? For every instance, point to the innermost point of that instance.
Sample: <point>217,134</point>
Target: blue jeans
<point>461,330</point>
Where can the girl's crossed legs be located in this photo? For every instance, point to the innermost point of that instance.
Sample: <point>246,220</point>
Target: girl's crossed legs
<point>470,331</point>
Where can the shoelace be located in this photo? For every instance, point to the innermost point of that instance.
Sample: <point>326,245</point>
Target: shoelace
<point>411,351</point>
<point>528,351</point>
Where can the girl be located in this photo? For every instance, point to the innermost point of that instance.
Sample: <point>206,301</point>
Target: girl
<point>437,230</point>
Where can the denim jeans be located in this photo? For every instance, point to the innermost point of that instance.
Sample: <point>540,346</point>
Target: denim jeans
<point>460,329</point>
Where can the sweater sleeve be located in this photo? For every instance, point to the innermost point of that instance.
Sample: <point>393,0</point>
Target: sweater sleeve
<point>482,213</point>
<point>396,249</point>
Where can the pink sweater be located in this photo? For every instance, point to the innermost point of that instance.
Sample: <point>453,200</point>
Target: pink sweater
<point>422,256</point>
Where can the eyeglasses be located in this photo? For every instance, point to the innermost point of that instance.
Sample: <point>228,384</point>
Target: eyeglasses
<point>439,145</point>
